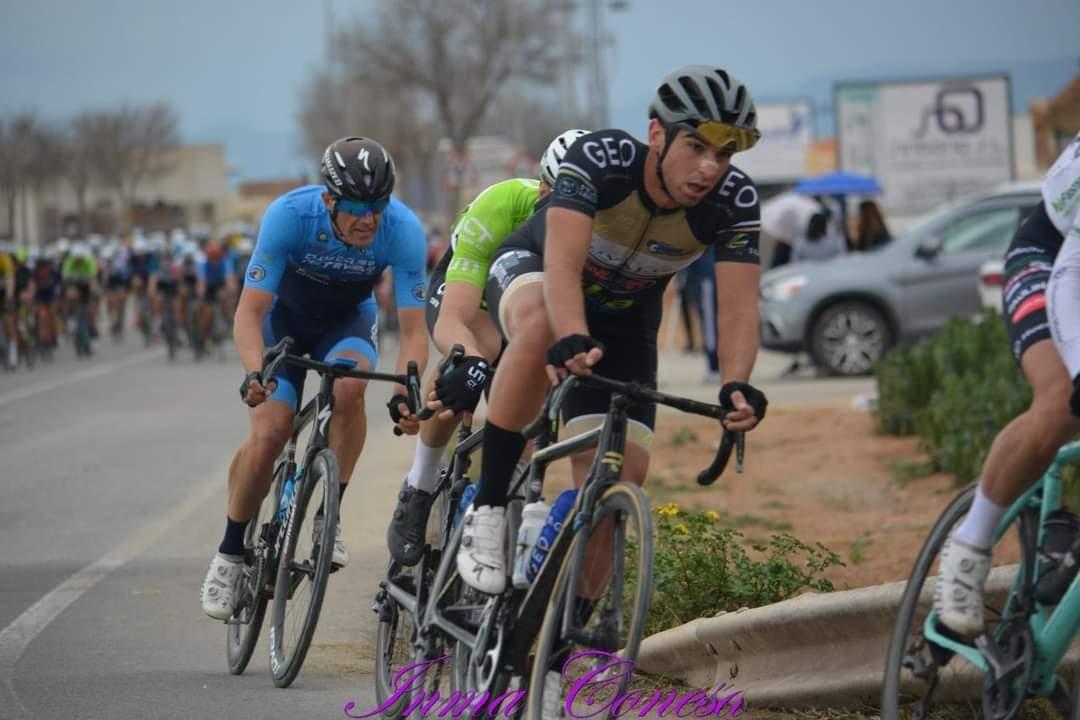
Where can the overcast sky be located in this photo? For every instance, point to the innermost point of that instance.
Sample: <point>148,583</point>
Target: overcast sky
<point>234,69</point>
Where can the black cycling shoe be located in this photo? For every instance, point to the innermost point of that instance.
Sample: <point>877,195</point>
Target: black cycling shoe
<point>405,536</point>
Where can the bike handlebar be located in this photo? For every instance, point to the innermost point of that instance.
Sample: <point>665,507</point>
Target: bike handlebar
<point>449,363</point>
<point>274,357</point>
<point>636,392</point>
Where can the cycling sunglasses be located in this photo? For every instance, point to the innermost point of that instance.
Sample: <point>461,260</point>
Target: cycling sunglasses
<point>360,209</point>
<point>721,134</point>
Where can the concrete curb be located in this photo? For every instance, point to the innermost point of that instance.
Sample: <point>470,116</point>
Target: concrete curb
<point>815,649</point>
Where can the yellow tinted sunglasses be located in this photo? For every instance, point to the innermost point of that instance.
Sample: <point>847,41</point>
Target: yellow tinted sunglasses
<point>721,134</point>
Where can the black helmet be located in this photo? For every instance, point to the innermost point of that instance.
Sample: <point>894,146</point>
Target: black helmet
<point>698,94</point>
<point>359,169</point>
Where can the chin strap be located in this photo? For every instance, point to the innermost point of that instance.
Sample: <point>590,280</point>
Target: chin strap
<point>669,135</point>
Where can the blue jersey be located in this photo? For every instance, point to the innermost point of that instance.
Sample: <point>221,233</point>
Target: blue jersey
<point>215,273</point>
<point>315,276</point>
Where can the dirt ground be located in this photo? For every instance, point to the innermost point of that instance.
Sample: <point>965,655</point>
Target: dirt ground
<point>823,475</point>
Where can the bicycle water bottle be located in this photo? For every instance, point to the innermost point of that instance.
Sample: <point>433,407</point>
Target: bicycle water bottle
<point>533,517</point>
<point>550,531</point>
<point>466,498</point>
<point>286,495</point>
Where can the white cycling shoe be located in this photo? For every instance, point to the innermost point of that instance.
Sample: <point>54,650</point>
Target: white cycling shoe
<point>958,594</point>
<point>481,559</point>
<point>219,587</point>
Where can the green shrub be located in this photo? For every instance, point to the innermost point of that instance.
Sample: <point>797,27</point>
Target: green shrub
<point>955,390</point>
<point>702,568</point>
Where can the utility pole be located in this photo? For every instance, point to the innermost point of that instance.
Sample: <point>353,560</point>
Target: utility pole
<point>598,41</point>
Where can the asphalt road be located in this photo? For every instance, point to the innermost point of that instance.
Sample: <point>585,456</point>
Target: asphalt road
<point>112,501</point>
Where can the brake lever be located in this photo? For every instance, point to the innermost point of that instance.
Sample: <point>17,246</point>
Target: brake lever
<point>450,362</point>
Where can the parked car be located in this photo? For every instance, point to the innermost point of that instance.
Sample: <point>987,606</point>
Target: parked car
<point>846,312</point>
<point>991,278</point>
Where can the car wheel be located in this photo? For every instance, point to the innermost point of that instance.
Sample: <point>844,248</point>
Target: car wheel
<point>848,338</point>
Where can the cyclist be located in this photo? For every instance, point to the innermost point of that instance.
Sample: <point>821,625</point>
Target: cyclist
<point>46,281</point>
<point>216,284</point>
<point>118,257</point>
<point>1024,449</point>
<point>320,250</point>
<point>166,283</point>
<point>580,284</point>
<point>455,314</point>
<point>8,304</point>
<point>80,281</point>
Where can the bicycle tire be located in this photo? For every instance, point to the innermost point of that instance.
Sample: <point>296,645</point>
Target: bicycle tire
<point>893,693</point>
<point>241,638</point>
<point>322,472</point>
<point>629,500</point>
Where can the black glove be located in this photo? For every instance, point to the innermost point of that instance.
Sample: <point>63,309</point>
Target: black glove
<point>754,398</point>
<point>566,348</point>
<point>460,389</point>
<point>1074,401</point>
<point>392,406</point>
<point>254,375</point>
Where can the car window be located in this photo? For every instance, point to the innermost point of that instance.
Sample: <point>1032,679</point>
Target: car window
<point>980,231</point>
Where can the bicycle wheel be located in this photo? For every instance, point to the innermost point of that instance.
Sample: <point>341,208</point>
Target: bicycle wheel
<point>918,673</point>
<point>616,573</point>
<point>396,636</point>
<point>243,629</point>
<point>304,567</point>
<point>168,327</point>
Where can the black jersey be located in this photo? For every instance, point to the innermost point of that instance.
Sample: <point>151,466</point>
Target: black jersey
<point>636,247</point>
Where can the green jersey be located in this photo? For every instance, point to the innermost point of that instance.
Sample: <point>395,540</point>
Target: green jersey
<point>484,224</point>
<point>79,269</point>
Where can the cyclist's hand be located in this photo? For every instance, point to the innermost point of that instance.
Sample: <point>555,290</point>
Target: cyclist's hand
<point>404,419</point>
<point>254,393</point>
<point>460,389</point>
<point>576,354</point>
<point>746,406</point>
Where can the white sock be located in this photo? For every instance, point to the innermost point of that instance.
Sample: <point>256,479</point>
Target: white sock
<point>977,529</point>
<point>424,473</point>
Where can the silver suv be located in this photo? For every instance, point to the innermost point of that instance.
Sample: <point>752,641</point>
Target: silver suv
<point>846,312</point>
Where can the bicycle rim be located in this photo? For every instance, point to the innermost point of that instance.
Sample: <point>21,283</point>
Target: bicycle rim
<point>393,652</point>
<point>922,679</point>
<point>304,568</point>
<point>620,580</point>
<point>242,632</point>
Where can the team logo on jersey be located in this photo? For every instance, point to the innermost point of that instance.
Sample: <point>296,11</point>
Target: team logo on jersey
<point>418,291</point>
<point>322,237</point>
<point>738,242</point>
<point>655,246</point>
<point>256,273</point>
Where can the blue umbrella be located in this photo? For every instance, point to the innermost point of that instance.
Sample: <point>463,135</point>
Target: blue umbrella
<point>839,183</point>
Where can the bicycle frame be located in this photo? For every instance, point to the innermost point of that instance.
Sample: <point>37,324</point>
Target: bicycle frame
<point>1053,632</point>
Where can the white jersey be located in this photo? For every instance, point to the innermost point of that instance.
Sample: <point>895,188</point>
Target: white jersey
<point>1061,195</point>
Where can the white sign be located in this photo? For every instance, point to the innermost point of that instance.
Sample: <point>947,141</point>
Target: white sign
<point>787,130</point>
<point>926,142</point>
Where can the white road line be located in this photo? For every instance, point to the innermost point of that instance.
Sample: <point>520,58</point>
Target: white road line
<point>88,374</point>
<point>16,637</point>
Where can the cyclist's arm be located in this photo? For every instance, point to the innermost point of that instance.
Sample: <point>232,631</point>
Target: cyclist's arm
<point>737,319</point>
<point>200,278</point>
<point>566,246</point>
<point>230,275</point>
<point>460,306</point>
<point>475,238</point>
<point>248,326</point>
<point>280,229</point>
<point>408,264</point>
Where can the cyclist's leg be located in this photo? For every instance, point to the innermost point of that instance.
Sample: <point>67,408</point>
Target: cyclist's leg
<point>250,476</point>
<point>1022,450</point>
<point>626,359</point>
<point>515,298</point>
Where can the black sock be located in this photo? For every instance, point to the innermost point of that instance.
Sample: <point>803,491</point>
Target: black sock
<point>233,544</point>
<point>502,450</point>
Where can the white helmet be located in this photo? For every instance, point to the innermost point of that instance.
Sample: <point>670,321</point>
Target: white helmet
<point>80,250</point>
<point>556,151</point>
